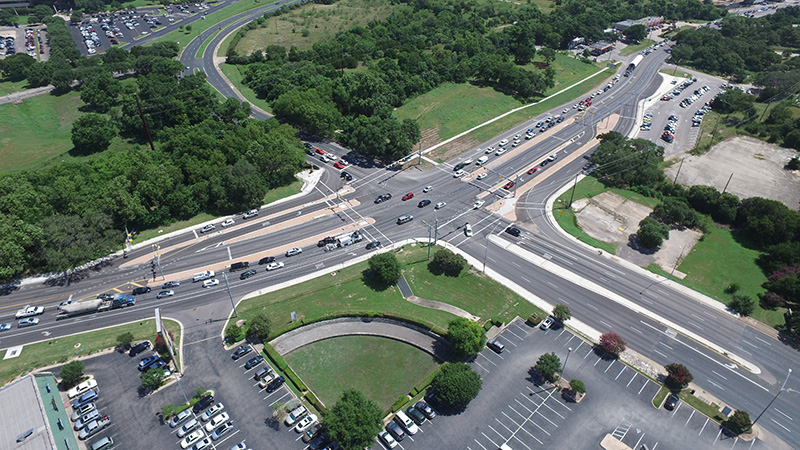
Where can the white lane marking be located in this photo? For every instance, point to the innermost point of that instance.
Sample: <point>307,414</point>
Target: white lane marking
<point>698,317</point>
<point>780,425</point>
<point>718,386</point>
<point>782,413</point>
<point>656,351</point>
<point>609,326</point>
<point>591,306</point>
<point>704,427</point>
<point>665,345</point>
<point>717,374</point>
<point>484,448</point>
<point>632,378</point>
<point>690,417</point>
<point>229,254</point>
<point>761,340</point>
<point>636,330</point>
<point>620,372</point>
<point>645,384</point>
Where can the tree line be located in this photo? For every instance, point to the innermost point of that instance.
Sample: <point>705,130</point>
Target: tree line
<point>209,157</point>
<point>765,225</point>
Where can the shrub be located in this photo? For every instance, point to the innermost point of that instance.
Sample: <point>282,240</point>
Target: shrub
<point>612,343</point>
<point>314,401</point>
<point>456,384</point>
<point>260,327</point>
<point>124,340</point>
<point>448,262</point>
<point>385,267</point>
<point>732,288</point>
<point>743,304</point>
<point>200,392</point>
<point>678,376</point>
<point>234,333</point>
<point>739,422</point>
<point>466,336</point>
<point>548,365</point>
<point>167,411</point>
<point>577,386</point>
<point>402,400</point>
<point>295,380</point>
<point>72,372</point>
<point>651,233</point>
<point>275,357</point>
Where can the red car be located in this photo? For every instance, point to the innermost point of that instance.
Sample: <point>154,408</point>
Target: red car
<point>338,165</point>
<point>532,171</point>
<point>408,196</point>
<point>320,151</point>
<point>509,185</point>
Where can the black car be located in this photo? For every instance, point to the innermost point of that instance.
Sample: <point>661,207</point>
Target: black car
<point>373,244</point>
<point>275,384</point>
<point>425,409</point>
<point>139,348</point>
<point>241,351</point>
<point>423,203</point>
<point>326,241</point>
<point>346,175</point>
<point>247,274</point>
<point>203,403</point>
<point>416,415</point>
<point>266,260</point>
<point>672,402</point>
<point>395,430</point>
<point>253,362</point>
<point>319,442</point>
<point>382,198</point>
<point>171,284</point>
<point>495,345</point>
<point>141,290</point>
<point>514,231</point>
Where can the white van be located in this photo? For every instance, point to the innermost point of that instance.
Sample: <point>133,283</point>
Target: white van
<point>482,160</point>
<point>203,276</point>
<point>409,425</point>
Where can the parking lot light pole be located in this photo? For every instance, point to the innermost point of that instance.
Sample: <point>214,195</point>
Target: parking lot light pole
<point>569,350</point>
<point>774,398</point>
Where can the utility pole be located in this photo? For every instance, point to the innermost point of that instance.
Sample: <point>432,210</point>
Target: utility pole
<point>726,184</point>
<point>679,171</point>
<point>420,153</point>
<point>774,398</point>
<point>144,121</point>
<point>569,350</point>
<point>429,242</point>
<point>572,196</point>
<point>228,287</point>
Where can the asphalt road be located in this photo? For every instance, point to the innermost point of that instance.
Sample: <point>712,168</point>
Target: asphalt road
<point>715,373</point>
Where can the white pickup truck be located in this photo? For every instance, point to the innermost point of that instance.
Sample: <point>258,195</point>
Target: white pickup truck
<point>30,311</point>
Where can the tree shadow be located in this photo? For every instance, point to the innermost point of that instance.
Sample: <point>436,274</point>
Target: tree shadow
<point>569,396</point>
<point>604,355</point>
<point>373,282</point>
<point>633,244</point>
<point>272,423</point>
<point>537,379</point>
<point>66,279</point>
<point>9,287</point>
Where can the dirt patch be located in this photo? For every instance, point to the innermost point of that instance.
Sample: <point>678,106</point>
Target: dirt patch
<point>755,169</point>
<point>451,149</point>
<point>612,218</point>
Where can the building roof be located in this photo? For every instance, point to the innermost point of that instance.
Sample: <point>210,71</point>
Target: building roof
<point>29,412</point>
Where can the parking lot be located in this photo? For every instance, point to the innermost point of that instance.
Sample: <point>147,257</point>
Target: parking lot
<point>135,415</point>
<point>28,40</point>
<point>99,32</point>
<point>516,409</point>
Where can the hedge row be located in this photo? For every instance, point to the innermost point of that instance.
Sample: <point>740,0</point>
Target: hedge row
<point>295,379</point>
<point>311,398</point>
<point>422,385</point>
<point>279,364</point>
<point>402,400</point>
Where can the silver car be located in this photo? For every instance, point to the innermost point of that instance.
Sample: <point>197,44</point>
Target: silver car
<point>294,251</point>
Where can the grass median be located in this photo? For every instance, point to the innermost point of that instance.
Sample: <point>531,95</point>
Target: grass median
<point>61,350</point>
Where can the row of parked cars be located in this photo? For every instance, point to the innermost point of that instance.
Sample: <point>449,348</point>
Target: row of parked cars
<point>204,424</point>
<point>407,422</point>
<point>88,421</point>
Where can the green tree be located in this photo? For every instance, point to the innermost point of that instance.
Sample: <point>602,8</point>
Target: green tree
<point>7,18</point>
<point>76,16</point>
<point>466,337</point>
<point>101,91</point>
<point>612,343</point>
<point>456,385</point>
<point>260,327</point>
<point>548,54</point>
<point>92,133</point>
<point>448,262</point>
<point>311,109</point>
<point>124,340</point>
<point>354,421</point>
<point>739,422</point>
<point>152,379</point>
<point>72,372</point>
<point>16,66</point>
<point>234,333</point>
<point>18,243</point>
<point>676,211</point>
<point>627,162</point>
<point>385,267</point>
<point>577,386</point>
<point>678,376</point>
<point>562,313</point>
<point>636,32</point>
<point>548,365</point>
<point>743,304</point>
<point>651,233</point>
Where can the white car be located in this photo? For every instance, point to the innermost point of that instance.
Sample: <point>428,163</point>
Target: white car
<point>482,176</point>
<point>82,388</point>
<point>566,110</point>
<point>503,142</point>
<point>228,223</point>
<point>294,251</point>
<point>547,323</point>
<point>440,205</point>
<point>459,173</point>
<point>87,418</point>
<point>489,150</point>
<point>210,412</point>
<point>82,410</point>
<point>478,204</point>
<point>249,214</point>
<point>515,144</point>
<point>191,439</point>
<point>305,423</point>
<point>500,151</point>
<point>187,427</point>
<point>207,228</point>
<point>274,265</point>
<point>427,189</point>
<point>387,439</point>
<point>211,282</point>
<point>239,446</point>
<point>180,417</point>
<point>218,420</point>
<point>468,230</point>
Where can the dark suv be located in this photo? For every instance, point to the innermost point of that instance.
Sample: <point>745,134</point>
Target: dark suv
<point>139,348</point>
<point>141,290</point>
<point>514,231</point>
<point>204,403</point>
<point>248,274</point>
<point>266,260</point>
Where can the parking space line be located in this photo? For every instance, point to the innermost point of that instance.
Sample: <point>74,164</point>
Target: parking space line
<point>645,384</point>
<point>588,353</point>
<point>598,360</point>
<point>487,438</point>
<point>779,424</point>
<point>520,404</point>
<point>537,426</point>
<point>676,409</point>
<point>609,366</point>
<point>690,417</point>
<point>498,433</point>
<point>510,342</point>
<point>718,434</point>
<point>782,413</point>
<point>632,378</point>
<point>545,418</point>
<point>639,441</point>
<point>554,411</point>
<point>704,427</point>
<point>521,331</point>
<point>563,330</point>
<point>569,340</point>
<point>479,365</point>
<point>476,441</point>
<point>501,423</point>
<point>515,334</point>
<point>526,445</point>
<point>509,407</point>
<point>485,357</point>
<point>579,345</point>
<point>620,372</point>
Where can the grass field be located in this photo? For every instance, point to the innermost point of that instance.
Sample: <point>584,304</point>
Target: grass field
<point>383,369</point>
<point>347,293</point>
<point>631,49</point>
<point>8,87</point>
<point>312,23</point>
<point>57,351</point>
<point>234,74</point>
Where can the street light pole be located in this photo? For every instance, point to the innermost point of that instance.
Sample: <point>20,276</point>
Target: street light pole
<point>228,287</point>
<point>774,398</point>
<point>569,350</point>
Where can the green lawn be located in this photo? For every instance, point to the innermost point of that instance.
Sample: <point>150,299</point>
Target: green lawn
<point>59,350</point>
<point>454,108</point>
<point>631,49</point>
<point>234,74</point>
<point>283,192</point>
<point>590,186</point>
<point>312,22</point>
<point>459,291</point>
<point>8,87</point>
<point>568,71</point>
<point>346,293</point>
<point>383,369</point>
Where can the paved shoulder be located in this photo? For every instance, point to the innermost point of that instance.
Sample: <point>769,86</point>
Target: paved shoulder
<point>393,329</point>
